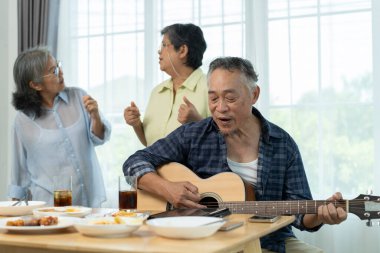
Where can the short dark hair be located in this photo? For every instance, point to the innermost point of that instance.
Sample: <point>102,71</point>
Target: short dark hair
<point>191,36</point>
<point>29,66</point>
<point>235,63</point>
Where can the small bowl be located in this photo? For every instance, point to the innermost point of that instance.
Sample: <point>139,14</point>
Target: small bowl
<point>185,227</point>
<point>107,226</point>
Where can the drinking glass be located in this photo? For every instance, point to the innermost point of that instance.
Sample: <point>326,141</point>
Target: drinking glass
<point>128,193</point>
<point>62,190</point>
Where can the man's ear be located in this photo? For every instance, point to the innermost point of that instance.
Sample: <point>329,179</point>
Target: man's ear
<point>255,94</point>
<point>35,86</point>
<point>183,51</point>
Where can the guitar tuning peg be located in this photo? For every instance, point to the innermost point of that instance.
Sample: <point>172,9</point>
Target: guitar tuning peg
<point>369,191</point>
<point>369,223</point>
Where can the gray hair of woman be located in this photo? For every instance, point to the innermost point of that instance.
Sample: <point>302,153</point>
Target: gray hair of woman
<point>29,67</point>
<point>235,63</point>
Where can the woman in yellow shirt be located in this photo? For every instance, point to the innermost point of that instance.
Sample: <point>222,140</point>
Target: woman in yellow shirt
<point>183,97</point>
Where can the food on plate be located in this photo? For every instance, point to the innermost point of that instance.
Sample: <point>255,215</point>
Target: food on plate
<point>124,214</point>
<point>48,221</point>
<point>115,220</point>
<point>32,221</point>
<point>48,210</point>
<point>16,223</point>
<point>118,220</point>
<point>60,210</point>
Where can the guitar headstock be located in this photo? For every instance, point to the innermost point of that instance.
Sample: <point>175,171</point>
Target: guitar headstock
<point>366,207</point>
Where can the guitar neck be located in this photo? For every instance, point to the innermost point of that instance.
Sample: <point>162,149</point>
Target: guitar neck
<point>280,207</point>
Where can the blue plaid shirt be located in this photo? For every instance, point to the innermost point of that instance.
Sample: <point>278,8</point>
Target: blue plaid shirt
<point>200,147</point>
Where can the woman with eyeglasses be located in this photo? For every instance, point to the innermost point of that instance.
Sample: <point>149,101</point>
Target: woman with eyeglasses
<point>55,133</point>
<point>183,97</point>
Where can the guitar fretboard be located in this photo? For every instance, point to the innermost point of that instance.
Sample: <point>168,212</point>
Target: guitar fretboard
<point>280,207</point>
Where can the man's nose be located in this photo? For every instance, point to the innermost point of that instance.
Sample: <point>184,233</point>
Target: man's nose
<point>222,105</point>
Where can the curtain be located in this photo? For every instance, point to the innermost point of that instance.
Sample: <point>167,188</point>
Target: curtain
<point>37,24</point>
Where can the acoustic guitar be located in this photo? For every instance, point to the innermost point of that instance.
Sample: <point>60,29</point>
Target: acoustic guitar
<point>227,189</point>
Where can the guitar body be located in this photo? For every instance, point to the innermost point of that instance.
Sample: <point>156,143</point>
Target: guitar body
<point>222,187</point>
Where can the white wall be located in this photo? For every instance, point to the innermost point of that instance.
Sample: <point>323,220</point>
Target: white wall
<point>8,54</point>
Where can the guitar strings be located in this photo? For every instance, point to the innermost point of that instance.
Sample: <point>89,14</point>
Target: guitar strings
<point>296,201</point>
<point>292,207</point>
<point>293,204</point>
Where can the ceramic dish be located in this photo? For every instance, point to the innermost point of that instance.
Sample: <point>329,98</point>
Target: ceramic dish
<point>6,208</point>
<point>185,227</point>
<point>107,226</point>
<point>72,211</point>
<point>63,222</point>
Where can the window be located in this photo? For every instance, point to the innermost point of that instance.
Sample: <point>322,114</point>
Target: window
<point>109,48</point>
<point>321,90</point>
<point>315,60</point>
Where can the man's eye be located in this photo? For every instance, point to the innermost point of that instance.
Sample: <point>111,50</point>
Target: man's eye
<point>213,99</point>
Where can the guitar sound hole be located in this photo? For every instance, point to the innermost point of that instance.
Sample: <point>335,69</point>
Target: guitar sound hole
<point>209,202</point>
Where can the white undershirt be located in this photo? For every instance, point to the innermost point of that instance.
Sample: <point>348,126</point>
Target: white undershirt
<point>248,171</point>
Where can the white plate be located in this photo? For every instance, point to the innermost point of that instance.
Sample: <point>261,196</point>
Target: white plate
<point>91,226</point>
<point>185,227</point>
<point>63,222</point>
<point>71,211</point>
<point>6,208</point>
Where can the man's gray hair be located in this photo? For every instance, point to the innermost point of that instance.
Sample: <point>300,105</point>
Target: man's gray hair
<point>235,63</point>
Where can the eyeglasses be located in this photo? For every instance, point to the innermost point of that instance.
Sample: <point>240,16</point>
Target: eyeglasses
<point>56,70</point>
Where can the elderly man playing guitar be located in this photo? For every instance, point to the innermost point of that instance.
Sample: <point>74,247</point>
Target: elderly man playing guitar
<point>237,138</point>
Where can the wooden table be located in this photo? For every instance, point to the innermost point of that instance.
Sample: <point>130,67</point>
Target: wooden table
<point>143,240</point>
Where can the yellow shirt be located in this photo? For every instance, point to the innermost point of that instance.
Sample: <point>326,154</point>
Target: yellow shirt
<point>161,114</point>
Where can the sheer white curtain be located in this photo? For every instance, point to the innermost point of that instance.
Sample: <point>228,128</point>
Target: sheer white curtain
<point>315,60</point>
